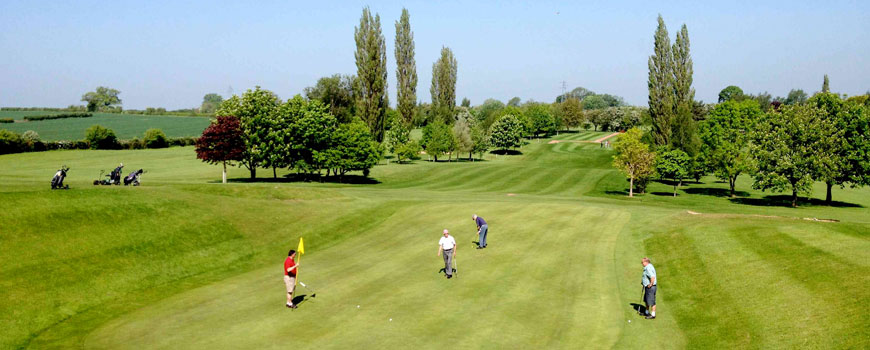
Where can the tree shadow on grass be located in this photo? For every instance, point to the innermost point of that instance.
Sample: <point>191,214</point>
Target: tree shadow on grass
<point>715,192</point>
<point>291,178</point>
<point>507,152</point>
<point>668,194</point>
<point>785,201</point>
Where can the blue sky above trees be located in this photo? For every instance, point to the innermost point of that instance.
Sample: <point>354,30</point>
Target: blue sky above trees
<point>169,54</point>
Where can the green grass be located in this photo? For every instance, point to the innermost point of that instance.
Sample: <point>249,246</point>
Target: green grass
<point>125,126</point>
<point>186,262</point>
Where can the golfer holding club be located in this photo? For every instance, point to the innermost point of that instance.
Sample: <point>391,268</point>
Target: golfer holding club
<point>290,269</point>
<point>482,229</point>
<point>447,245</point>
<point>649,286</point>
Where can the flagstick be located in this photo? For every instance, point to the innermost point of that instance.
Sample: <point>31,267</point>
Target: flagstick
<point>296,280</point>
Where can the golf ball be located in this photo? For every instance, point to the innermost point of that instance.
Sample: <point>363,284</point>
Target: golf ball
<point>357,306</point>
<point>629,321</point>
<point>391,320</point>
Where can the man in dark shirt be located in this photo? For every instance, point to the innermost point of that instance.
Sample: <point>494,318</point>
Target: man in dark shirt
<point>482,229</point>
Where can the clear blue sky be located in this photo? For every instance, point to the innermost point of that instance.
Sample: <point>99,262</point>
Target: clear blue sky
<point>171,53</point>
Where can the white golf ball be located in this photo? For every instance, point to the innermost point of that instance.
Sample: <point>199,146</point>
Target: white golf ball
<point>391,320</point>
<point>357,306</point>
<point>629,321</point>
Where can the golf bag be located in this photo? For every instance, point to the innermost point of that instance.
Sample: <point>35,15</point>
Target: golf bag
<point>133,178</point>
<point>114,177</point>
<point>57,180</point>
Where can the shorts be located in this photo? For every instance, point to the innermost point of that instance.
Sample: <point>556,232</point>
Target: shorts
<point>290,283</point>
<point>649,295</point>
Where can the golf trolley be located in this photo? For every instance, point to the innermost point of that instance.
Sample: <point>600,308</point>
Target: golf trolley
<point>57,180</point>
<point>133,178</point>
<point>114,177</point>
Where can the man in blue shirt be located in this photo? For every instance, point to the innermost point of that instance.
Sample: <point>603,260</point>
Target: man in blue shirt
<point>649,286</point>
<point>482,229</point>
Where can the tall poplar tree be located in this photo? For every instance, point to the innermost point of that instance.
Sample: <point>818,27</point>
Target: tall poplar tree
<point>660,83</point>
<point>371,67</point>
<point>406,69</point>
<point>443,88</point>
<point>684,131</point>
<point>825,87</point>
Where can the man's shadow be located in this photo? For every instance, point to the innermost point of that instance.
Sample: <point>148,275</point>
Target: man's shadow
<point>301,298</point>
<point>640,308</point>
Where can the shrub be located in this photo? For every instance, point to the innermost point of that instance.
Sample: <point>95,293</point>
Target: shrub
<point>11,142</point>
<point>155,138</point>
<point>7,120</point>
<point>100,137</point>
<point>30,136</point>
<point>58,116</point>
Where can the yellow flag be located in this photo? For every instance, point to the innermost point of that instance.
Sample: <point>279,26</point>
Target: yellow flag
<point>301,248</point>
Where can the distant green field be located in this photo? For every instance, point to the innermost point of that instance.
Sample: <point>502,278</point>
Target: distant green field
<point>184,262</point>
<point>126,126</point>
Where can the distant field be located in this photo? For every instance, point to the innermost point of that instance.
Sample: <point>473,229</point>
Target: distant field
<point>126,126</point>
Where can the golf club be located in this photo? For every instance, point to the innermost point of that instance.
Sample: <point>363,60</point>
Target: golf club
<point>455,266</point>
<point>313,292</point>
<point>642,295</point>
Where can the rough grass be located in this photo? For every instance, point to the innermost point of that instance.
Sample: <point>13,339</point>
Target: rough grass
<point>125,126</point>
<point>184,262</point>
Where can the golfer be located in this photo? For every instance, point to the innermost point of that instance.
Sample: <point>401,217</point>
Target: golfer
<point>447,246</point>
<point>649,286</point>
<point>482,228</point>
<point>290,269</point>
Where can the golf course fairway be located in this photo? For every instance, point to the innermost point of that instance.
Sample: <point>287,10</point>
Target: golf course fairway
<point>185,262</point>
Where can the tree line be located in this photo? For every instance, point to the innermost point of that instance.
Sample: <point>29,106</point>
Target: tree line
<point>784,144</point>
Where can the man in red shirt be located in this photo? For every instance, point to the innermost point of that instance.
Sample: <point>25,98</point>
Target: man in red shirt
<point>290,269</point>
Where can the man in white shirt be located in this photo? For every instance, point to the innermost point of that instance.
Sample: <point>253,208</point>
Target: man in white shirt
<point>447,245</point>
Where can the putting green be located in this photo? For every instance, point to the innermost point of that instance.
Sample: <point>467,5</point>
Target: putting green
<point>184,262</point>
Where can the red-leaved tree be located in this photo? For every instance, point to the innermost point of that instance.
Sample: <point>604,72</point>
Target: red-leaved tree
<point>221,142</point>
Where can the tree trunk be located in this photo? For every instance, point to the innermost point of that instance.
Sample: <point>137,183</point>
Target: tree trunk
<point>253,172</point>
<point>631,187</point>
<point>828,198</point>
<point>676,184</point>
<point>470,156</point>
<point>225,172</point>
<point>274,173</point>
<point>794,198</point>
<point>731,182</point>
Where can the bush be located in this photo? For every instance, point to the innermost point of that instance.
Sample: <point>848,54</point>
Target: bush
<point>183,141</point>
<point>30,136</point>
<point>155,138</point>
<point>100,137</point>
<point>58,116</point>
<point>11,142</point>
<point>7,120</point>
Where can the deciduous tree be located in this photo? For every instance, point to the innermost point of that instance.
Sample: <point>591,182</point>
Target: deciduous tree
<point>784,150</point>
<point>406,69</point>
<point>660,84</point>
<point>633,157</point>
<point>506,133</point>
<point>221,142</point>
<point>443,88</point>
<point>210,103</point>
<point>254,110</point>
<point>102,98</point>
<point>371,65</point>
<point>674,165</point>
<point>726,134</point>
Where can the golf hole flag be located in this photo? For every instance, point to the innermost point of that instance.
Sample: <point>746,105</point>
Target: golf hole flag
<point>301,250</point>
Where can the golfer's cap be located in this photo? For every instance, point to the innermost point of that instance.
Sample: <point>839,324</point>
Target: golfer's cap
<point>445,231</point>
